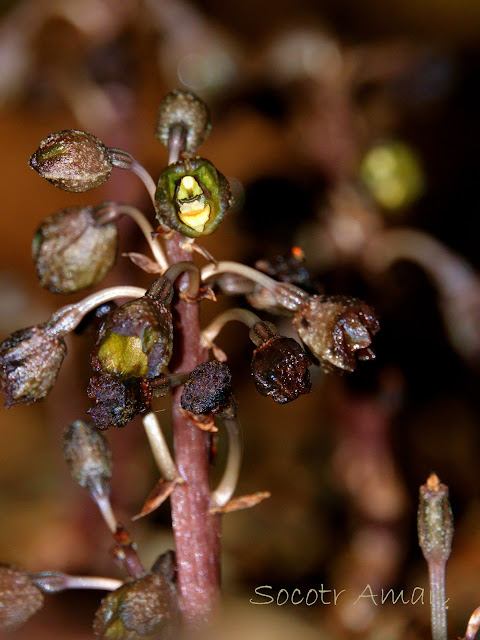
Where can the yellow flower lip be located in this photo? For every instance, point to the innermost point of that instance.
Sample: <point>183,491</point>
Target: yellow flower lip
<point>194,215</point>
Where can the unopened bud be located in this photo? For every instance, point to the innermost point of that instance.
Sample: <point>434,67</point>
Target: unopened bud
<point>146,609</point>
<point>135,340</point>
<point>30,360</point>
<point>20,598</point>
<point>72,160</point>
<point>183,110</point>
<point>207,389</point>
<point>72,251</point>
<point>87,454</point>
<point>435,520</point>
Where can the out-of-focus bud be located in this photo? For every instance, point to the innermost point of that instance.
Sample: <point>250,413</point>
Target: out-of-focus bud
<point>136,339</point>
<point>20,598</point>
<point>30,360</point>
<point>435,520</point>
<point>72,160</point>
<point>183,109</point>
<point>117,401</point>
<point>192,197</point>
<point>73,251</point>
<point>208,388</point>
<point>87,454</point>
<point>279,365</point>
<point>146,609</point>
<point>337,329</point>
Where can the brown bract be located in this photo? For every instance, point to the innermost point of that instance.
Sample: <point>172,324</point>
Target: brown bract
<point>30,360</point>
<point>117,401</point>
<point>338,330</point>
<point>280,369</point>
<point>20,598</point>
<point>207,389</point>
<point>145,609</point>
<point>72,251</point>
<point>72,160</point>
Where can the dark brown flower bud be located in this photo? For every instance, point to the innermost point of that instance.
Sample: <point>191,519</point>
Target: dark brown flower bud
<point>117,401</point>
<point>20,598</point>
<point>72,251</point>
<point>337,329</point>
<point>279,365</point>
<point>146,609</point>
<point>207,389</point>
<point>136,340</point>
<point>87,454</point>
<point>30,360</point>
<point>183,109</point>
<point>192,197</point>
<point>72,160</point>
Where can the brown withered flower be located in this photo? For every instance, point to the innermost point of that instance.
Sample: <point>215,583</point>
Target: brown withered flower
<point>279,365</point>
<point>145,609</point>
<point>73,251</point>
<point>30,360</point>
<point>207,389</point>
<point>184,110</point>
<point>20,598</point>
<point>338,330</point>
<point>136,339</point>
<point>117,401</point>
<point>86,453</point>
<point>72,160</point>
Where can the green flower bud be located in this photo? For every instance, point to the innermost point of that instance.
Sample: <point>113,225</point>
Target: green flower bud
<point>279,365</point>
<point>72,160</point>
<point>435,520</point>
<point>185,110</point>
<point>337,329</point>
<point>192,197</point>
<point>145,609</point>
<point>72,251</point>
<point>136,340</point>
<point>30,360</point>
<point>20,598</point>
<point>87,454</point>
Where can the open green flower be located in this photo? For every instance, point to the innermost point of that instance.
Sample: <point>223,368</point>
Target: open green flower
<point>192,197</point>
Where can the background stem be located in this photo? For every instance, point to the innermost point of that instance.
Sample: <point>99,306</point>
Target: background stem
<point>437,598</point>
<point>196,531</point>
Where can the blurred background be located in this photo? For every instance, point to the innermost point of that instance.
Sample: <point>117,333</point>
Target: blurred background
<point>349,129</point>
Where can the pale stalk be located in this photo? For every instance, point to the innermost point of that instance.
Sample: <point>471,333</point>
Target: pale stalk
<point>245,316</point>
<point>145,227</point>
<point>227,485</point>
<point>55,582</point>
<point>159,447</point>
